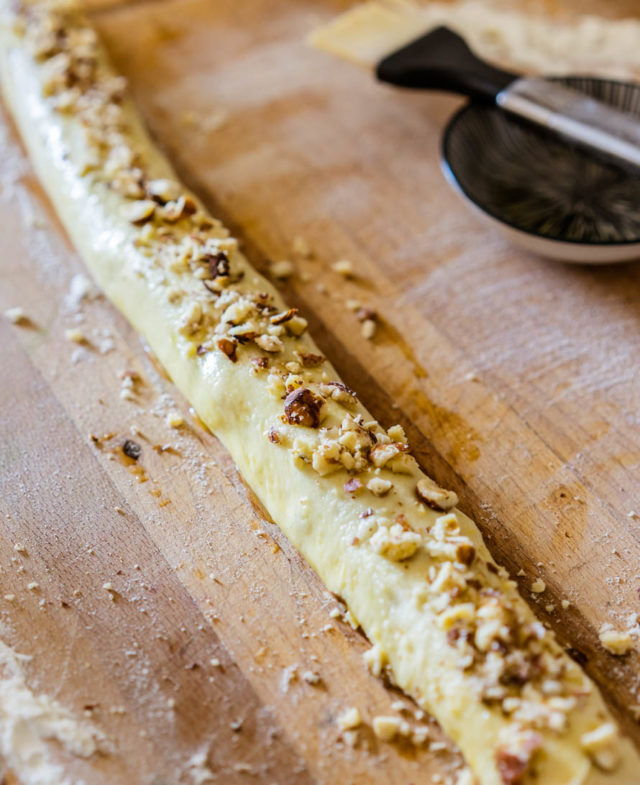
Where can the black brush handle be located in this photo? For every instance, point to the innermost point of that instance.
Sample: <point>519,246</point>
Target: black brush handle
<point>441,60</point>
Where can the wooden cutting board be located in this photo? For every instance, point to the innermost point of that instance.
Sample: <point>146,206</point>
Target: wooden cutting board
<point>516,379</point>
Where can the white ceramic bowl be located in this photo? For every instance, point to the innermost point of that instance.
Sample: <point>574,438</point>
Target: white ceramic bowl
<point>540,192</point>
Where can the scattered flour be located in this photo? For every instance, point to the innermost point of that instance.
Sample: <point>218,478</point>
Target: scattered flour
<point>27,721</point>
<point>198,769</point>
<point>80,288</point>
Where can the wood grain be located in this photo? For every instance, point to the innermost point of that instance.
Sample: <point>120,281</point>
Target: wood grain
<point>515,378</point>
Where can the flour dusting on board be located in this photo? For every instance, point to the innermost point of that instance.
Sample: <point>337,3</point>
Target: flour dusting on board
<point>584,44</point>
<point>27,721</point>
<point>198,768</point>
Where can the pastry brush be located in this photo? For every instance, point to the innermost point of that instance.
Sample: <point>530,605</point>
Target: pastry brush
<point>392,40</point>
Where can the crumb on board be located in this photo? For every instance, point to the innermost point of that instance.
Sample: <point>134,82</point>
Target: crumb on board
<point>386,727</point>
<point>300,247</point>
<point>108,587</point>
<point>312,678</point>
<point>174,420</point>
<point>17,316</point>
<point>349,719</point>
<point>617,642</point>
<point>343,267</point>
<point>538,587</point>
<point>282,269</point>
<point>33,586</point>
<point>75,336</point>
<point>368,329</point>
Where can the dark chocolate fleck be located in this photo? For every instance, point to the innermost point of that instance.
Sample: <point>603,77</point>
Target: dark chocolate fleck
<point>132,449</point>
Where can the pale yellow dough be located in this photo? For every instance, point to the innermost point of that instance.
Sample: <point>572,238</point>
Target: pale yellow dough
<point>388,598</point>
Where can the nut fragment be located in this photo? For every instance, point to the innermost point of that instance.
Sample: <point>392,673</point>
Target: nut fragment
<point>75,336</point>
<point>343,267</point>
<point>303,407</point>
<point>368,329</point>
<point>386,728</point>
<point>310,360</point>
<point>140,211</point>
<point>616,641</point>
<point>297,325</point>
<point>218,264</point>
<point>435,497</point>
<point>163,190</point>
<point>364,313</point>
<point>16,315</point>
<point>396,543</point>
<point>174,211</point>
<point>465,554</point>
<point>350,719</point>
<point>514,759</point>
<point>601,745</point>
<point>352,485</point>
<point>229,348</point>
<point>283,316</point>
<point>274,436</point>
<point>282,270</point>
<point>270,343</point>
<point>378,486</point>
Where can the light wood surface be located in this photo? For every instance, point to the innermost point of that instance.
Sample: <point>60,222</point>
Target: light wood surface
<point>516,379</point>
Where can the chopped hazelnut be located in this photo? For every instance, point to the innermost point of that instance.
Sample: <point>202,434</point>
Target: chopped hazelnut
<point>140,211</point>
<point>163,190</point>
<point>616,641</point>
<point>296,325</point>
<point>303,407</point>
<point>310,360</point>
<point>364,313</point>
<point>435,497</point>
<point>368,329</point>
<point>381,454</point>
<point>174,211</point>
<point>269,343</point>
<point>378,486</point>
<point>386,728</point>
<point>274,436</point>
<point>282,270</point>
<point>174,420</point>
<point>16,315</point>
<point>284,316</point>
<point>350,719</point>
<point>343,267</point>
<point>218,264</point>
<point>396,543</point>
<point>75,336</point>
<point>601,745</point>
<point>465,554</point>
<point>352,485</point>
<point>228,347</point>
